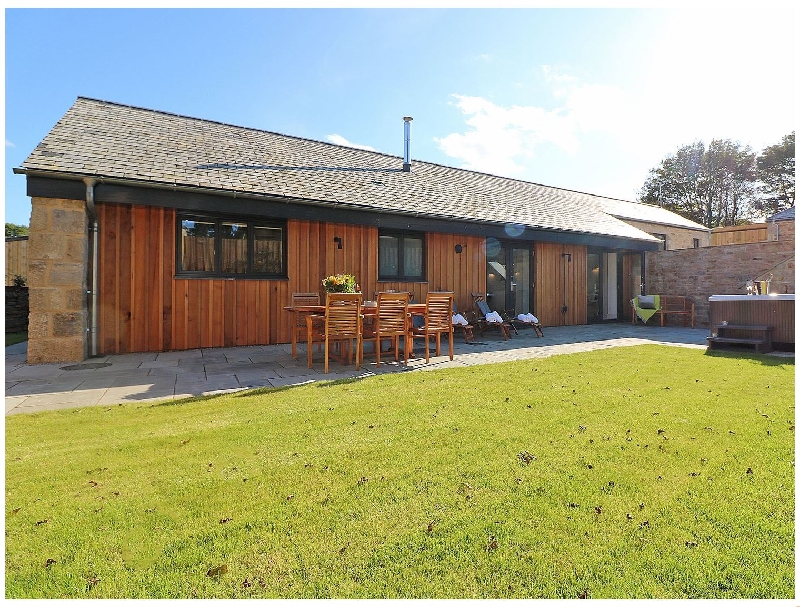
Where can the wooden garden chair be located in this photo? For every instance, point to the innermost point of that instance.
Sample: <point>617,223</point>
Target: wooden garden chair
<point>466,330</point>
<point>343,324</point>
<point>299,328</point>
<point>535,325</point>
<point>392,322</point>
<point>505,326</point>
<point>438,321</point>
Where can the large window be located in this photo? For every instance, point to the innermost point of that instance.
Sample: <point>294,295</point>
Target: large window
<point>401,256</point>
<point>209,246</point>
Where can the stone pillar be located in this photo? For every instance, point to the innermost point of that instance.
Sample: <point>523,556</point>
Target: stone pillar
<point>58,250</point>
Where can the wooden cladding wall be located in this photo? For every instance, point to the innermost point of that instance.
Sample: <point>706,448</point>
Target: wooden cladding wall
<point>142,307</point>
<point>560,280</point>
<point>136,260</point>
<point>462,273</point>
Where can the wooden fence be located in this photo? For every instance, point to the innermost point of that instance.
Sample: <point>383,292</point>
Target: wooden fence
<point>16,258</point>
<point>756,232</point>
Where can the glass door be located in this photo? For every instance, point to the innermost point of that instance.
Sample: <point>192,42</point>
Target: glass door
<point>594,288</point>
<point>509,277</point>
<point>522,275</point>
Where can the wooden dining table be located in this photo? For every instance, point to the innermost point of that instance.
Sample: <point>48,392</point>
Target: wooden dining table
<point>316,313</point>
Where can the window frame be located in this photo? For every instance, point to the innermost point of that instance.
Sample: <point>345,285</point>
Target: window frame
<point>218,220</point>
<point>401,276</point>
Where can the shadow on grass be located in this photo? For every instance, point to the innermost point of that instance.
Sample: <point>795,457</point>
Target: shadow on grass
<point>245,392</point>
<point>248,392</point>
<point>765,359</point>
<point>317,383</point>
<point>185,401</point>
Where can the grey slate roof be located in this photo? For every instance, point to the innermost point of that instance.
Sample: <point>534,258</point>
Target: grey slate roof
<point>122,143</point>
<point>785,215</point>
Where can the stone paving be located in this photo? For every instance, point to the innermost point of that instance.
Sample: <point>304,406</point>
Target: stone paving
<point>126,378</point>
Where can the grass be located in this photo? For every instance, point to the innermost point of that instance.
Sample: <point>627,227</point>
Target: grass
<point>639,472</point>
<point>16,338</point>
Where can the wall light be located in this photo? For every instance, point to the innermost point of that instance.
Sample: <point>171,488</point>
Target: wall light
<point>459,248</point>
<point>338,241</point>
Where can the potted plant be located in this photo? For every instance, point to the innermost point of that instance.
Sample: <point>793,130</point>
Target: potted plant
<point>340,283</point>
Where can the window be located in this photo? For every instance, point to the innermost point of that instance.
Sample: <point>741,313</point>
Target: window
<point>401,256</point>
<point>209,246</point>
<point>696,243</point>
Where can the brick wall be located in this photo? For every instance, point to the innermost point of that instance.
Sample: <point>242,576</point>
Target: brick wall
<point>780,230</point>
<point>677,238</point>
<point>58,250</point>
<point>721,270</point>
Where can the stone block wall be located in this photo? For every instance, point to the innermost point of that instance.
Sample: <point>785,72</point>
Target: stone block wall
<point>677,238</point>
<point>720,270</point>
<point>16,309</point>
<point>58,249</point>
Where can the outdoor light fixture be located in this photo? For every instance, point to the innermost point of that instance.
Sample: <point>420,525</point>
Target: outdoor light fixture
<point>338,241</point>
<point>459,248</point>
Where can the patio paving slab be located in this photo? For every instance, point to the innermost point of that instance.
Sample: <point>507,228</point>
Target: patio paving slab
<point>192,368</point>
<point>44,387</point>
<point>138,378</point>
<point>13,402</point>
<point>179,355</point>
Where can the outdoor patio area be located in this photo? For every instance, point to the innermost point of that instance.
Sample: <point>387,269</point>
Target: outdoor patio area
<point>110,380</point>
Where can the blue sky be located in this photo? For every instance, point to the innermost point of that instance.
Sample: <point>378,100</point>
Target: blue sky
<point>585,99</point>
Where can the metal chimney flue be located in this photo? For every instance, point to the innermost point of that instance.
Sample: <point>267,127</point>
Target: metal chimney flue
<point>407,144</point>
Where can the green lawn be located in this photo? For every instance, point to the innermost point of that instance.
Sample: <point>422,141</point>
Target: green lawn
<point>625,473</point>
<point>16,338</point>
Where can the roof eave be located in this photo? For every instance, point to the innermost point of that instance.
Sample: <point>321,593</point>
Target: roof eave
<point>647,242</point>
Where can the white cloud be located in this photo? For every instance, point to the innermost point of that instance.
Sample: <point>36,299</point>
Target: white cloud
<point>339,140</point>
<point>704,74</point>
<point>501,139</point>
<point>9,144</point>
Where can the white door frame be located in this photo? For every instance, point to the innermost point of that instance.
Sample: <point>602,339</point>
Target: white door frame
<point>609,286</point>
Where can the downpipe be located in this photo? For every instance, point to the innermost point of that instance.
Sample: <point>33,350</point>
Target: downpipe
<point>93,243</point>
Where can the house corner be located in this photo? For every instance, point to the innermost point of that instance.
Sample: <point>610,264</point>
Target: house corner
<point>58,258</point>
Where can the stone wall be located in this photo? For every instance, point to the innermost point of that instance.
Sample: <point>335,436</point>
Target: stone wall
<point>720,270</point>
<point>16,309</point>
<point>58,250</point>
<point>780,230</point>
<point>677,238</point>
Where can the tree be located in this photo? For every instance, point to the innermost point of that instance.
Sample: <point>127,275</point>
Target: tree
<point>13,229</point>
<point>776,173</point>
<point>714,185</point>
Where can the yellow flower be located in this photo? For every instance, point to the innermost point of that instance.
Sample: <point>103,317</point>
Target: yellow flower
<point>340,283</point>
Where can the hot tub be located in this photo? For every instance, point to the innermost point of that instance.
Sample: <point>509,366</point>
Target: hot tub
<point>776,311</point>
